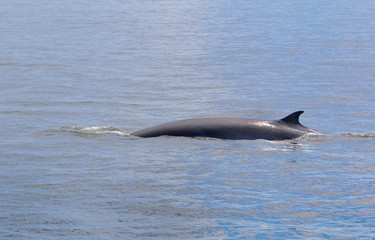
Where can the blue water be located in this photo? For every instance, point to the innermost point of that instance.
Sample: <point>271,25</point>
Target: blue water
<point>78,76</point>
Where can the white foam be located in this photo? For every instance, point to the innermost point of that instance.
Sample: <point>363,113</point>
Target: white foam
<point>95,130</point>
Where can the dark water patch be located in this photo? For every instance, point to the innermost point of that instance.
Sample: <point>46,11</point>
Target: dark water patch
<point>22,112</point>
<point>359,135</point>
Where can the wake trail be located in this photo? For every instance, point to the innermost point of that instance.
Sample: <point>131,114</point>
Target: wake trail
<point>95,131</point>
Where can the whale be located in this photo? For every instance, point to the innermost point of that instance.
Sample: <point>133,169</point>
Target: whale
<point>230,128</point>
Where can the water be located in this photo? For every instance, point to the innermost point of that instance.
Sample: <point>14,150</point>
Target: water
<point>78,76</point>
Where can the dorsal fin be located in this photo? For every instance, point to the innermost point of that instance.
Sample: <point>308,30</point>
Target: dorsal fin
<point>292,118</point>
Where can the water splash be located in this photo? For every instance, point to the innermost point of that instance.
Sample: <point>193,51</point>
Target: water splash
<point>95,131</point>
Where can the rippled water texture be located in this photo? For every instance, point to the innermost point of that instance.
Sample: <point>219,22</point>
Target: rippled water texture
<point>77,77</point>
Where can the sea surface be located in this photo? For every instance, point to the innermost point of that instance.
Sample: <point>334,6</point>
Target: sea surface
<point>77,77</point>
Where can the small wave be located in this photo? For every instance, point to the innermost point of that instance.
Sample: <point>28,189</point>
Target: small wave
<point>359,135</point>
<point>94,131</point>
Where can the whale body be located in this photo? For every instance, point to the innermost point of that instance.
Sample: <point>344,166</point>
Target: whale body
<point>288,127</point>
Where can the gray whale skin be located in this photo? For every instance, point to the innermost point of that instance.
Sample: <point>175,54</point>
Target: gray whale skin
<point>288,127</point>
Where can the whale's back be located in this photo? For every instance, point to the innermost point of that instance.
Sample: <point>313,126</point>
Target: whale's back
<point>231,128</point>
<point>199,127</point>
